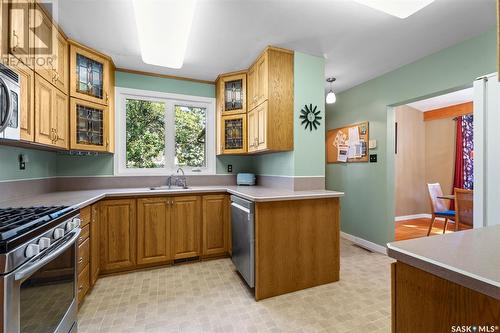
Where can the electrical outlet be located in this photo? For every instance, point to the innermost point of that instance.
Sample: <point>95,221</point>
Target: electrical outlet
<point>229,168</point>
<point>22,162</point>
<point>373,158</point>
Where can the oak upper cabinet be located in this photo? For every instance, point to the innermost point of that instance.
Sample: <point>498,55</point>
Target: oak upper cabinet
<point>153,230</point>
<point>89,125</point>
<point>94,244</point>
<point>272,108</point>
<point>20,16</point>
<point>186,227</point>
<point>118,232</point>
<point>233,87</point>
<point>89,74</point>
<point>26,101</point>
<point>257,128</point>
<point>233,136</point>
<point>51,115</point>
<point>51,51</point>
<point>252,88</point>
<point>215,235</point>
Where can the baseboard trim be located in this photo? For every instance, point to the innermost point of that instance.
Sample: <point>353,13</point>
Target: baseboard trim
<point>416,216</point>
<point>412,217</point>
<point>373,247</point>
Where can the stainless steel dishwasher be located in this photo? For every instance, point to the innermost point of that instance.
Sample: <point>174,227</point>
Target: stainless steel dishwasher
<point>242,233</point>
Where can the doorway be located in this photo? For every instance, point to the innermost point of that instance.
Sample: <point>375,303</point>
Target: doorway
<point>433,155</point>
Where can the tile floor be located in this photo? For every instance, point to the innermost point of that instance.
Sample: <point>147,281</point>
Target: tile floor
<point>209,297</point>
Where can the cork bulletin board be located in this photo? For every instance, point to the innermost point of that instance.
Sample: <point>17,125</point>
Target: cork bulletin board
<point>348,144</point>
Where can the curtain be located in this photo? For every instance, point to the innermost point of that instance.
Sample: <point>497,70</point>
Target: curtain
<point>464,154</point>
<point>468,151</point>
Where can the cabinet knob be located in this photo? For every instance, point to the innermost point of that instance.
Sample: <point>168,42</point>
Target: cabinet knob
<point>107,97</point>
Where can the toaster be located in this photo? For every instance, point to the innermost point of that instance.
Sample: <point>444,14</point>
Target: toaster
<point>245,179</point>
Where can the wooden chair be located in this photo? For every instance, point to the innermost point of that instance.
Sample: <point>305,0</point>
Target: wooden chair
<point>440,207</point>
<point>464,207</point>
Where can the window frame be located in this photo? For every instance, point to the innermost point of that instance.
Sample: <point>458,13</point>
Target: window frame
<point>171,100</point>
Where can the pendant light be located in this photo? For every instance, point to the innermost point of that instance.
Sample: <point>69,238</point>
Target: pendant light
<point>330,97</point>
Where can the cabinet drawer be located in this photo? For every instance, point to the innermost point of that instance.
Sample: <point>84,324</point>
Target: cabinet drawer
<point>83,283</point>
<point>85,216</point>
<point>84,234</point>
<point>83,255</point>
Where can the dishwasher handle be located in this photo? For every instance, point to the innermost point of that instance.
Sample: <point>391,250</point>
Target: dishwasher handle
<point>240,207</point>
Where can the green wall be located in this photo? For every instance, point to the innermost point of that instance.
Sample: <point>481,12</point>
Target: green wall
<point>41,163</point>
<point>308,157</point>
<point>368,206</point>
<point>71,165</point>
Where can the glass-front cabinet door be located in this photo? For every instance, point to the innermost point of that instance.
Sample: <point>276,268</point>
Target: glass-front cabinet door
<point>234,138</point>
<point>89,75</point>
<point>234,88</point>
<point>89,126</point>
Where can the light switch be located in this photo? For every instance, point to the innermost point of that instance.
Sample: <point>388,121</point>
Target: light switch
<point>372,144</point>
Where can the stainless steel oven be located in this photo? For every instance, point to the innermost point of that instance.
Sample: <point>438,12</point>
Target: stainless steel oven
<point>40,296</point>
<point>9,104</point>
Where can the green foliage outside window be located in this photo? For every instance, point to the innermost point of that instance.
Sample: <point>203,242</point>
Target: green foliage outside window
<point>145,134</point>
<point>190,124</point>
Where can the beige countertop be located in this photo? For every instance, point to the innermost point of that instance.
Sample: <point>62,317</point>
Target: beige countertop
<point>470,258</point>
<point>84,198</point>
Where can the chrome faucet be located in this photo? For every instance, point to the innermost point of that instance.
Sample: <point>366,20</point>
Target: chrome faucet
<point>174,180</point>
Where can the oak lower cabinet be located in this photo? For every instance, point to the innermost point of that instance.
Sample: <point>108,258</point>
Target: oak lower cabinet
<point>51,115</point>
<point>118,229</point>
<point>83,253</point>
<point>94,244</point>
<point>153,230</point>
<point>215,237</point>
<point>186,227</point>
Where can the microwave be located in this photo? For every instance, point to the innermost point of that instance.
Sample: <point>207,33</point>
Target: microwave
<point>9,104</point>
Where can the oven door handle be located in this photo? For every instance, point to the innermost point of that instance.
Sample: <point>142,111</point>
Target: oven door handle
<point>3,125</point>
<point>36,265</point>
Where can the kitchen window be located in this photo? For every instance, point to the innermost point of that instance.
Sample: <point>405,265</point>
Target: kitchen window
<point>156,133</point>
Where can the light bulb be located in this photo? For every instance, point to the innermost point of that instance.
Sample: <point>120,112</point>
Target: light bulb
<point>330,97</point>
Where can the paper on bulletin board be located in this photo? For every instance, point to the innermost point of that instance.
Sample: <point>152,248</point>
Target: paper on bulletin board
<point>342,153</point>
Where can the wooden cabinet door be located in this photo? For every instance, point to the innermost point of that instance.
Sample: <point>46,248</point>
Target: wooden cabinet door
<point>261,116</point>
<point>44,127</point>
<point>60,66</point>
<point>252,88</point>
<point>94,244</point>
<point>93,135</point>
<point>153,230</point>
<point>215,224</point>
<point>234,134</point>
<point>117,234</point>
<point>60,121</point>
<point>20,40</point>
<point>262,75</point>
<point>45,44</point>
<point>26,101</point>
<point>82,61</point>
<point>252,130</point>
<point>186,227</point>
<point>234,93</point>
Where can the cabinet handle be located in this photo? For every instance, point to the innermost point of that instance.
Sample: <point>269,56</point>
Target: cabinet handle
<point>80,260</point>
<point>52,134</point>
<point>56,138</point>
<point>16,44</point>
<point>107,143</point>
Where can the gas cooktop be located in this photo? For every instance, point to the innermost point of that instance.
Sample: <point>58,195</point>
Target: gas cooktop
<point>18,222</point>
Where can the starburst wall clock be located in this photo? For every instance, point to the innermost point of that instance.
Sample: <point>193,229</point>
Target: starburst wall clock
<point>310,117</point>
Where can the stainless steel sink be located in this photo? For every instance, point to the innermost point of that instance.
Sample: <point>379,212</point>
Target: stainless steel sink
<point>166,188</point>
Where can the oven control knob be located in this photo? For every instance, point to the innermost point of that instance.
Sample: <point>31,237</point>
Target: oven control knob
<point>74,223</point>
<point>32,250</point>
<point>44,242</point>
<point>58,233</point>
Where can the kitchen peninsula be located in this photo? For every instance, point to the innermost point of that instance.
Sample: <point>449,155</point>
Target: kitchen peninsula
<point>447,281</point>
<point>296,232</point>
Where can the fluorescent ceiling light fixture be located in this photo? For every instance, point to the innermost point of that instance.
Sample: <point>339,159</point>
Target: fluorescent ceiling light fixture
<point>398,8</point>
<point>163,27</point>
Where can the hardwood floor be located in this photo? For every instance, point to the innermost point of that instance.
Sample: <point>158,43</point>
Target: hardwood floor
<point>418,228</point>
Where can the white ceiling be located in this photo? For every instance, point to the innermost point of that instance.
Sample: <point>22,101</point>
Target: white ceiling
<point>359,43</point>
<point>442,101</point>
